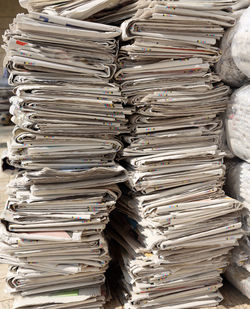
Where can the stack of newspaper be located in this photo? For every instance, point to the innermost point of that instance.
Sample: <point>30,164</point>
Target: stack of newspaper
<point>67,114</point>
<point>129,8</point>
<point>81,9</point>
<point>174,224</point>
<point>238,182</point>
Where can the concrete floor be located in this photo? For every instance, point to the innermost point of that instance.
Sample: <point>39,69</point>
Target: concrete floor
<point>232,298</point>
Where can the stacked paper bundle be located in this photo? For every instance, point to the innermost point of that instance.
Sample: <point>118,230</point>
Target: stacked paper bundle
<point>174,224</point>
<point>5,93</point>
<point>103,11</point>
<point>128,8</point>
<point>238,182</point>
<point>67,114</point>
<point>79,9</point>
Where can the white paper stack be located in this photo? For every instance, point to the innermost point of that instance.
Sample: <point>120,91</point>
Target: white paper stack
<point>67,113</point>
<point>238,182</point>
<point>174,224</point>
<point>105,11</point>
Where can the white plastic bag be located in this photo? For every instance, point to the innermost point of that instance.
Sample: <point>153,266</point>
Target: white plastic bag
<point>226,67</point>
<point>241,44</point>
<point>237,123</point>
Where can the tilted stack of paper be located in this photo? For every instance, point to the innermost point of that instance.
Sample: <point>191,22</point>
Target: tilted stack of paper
<point>175,226</point>
<point>238,182</point>
<point>105,11</point>
<point>67,114</point>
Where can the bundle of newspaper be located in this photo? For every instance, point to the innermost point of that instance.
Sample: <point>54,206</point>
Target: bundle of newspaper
<point>129,8</point>
<point>5,93</point>
<point>238,183</point>
<point>79,9</point>
<point>237,120</point>
<point>67,114</point>
<point>174,224</point>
